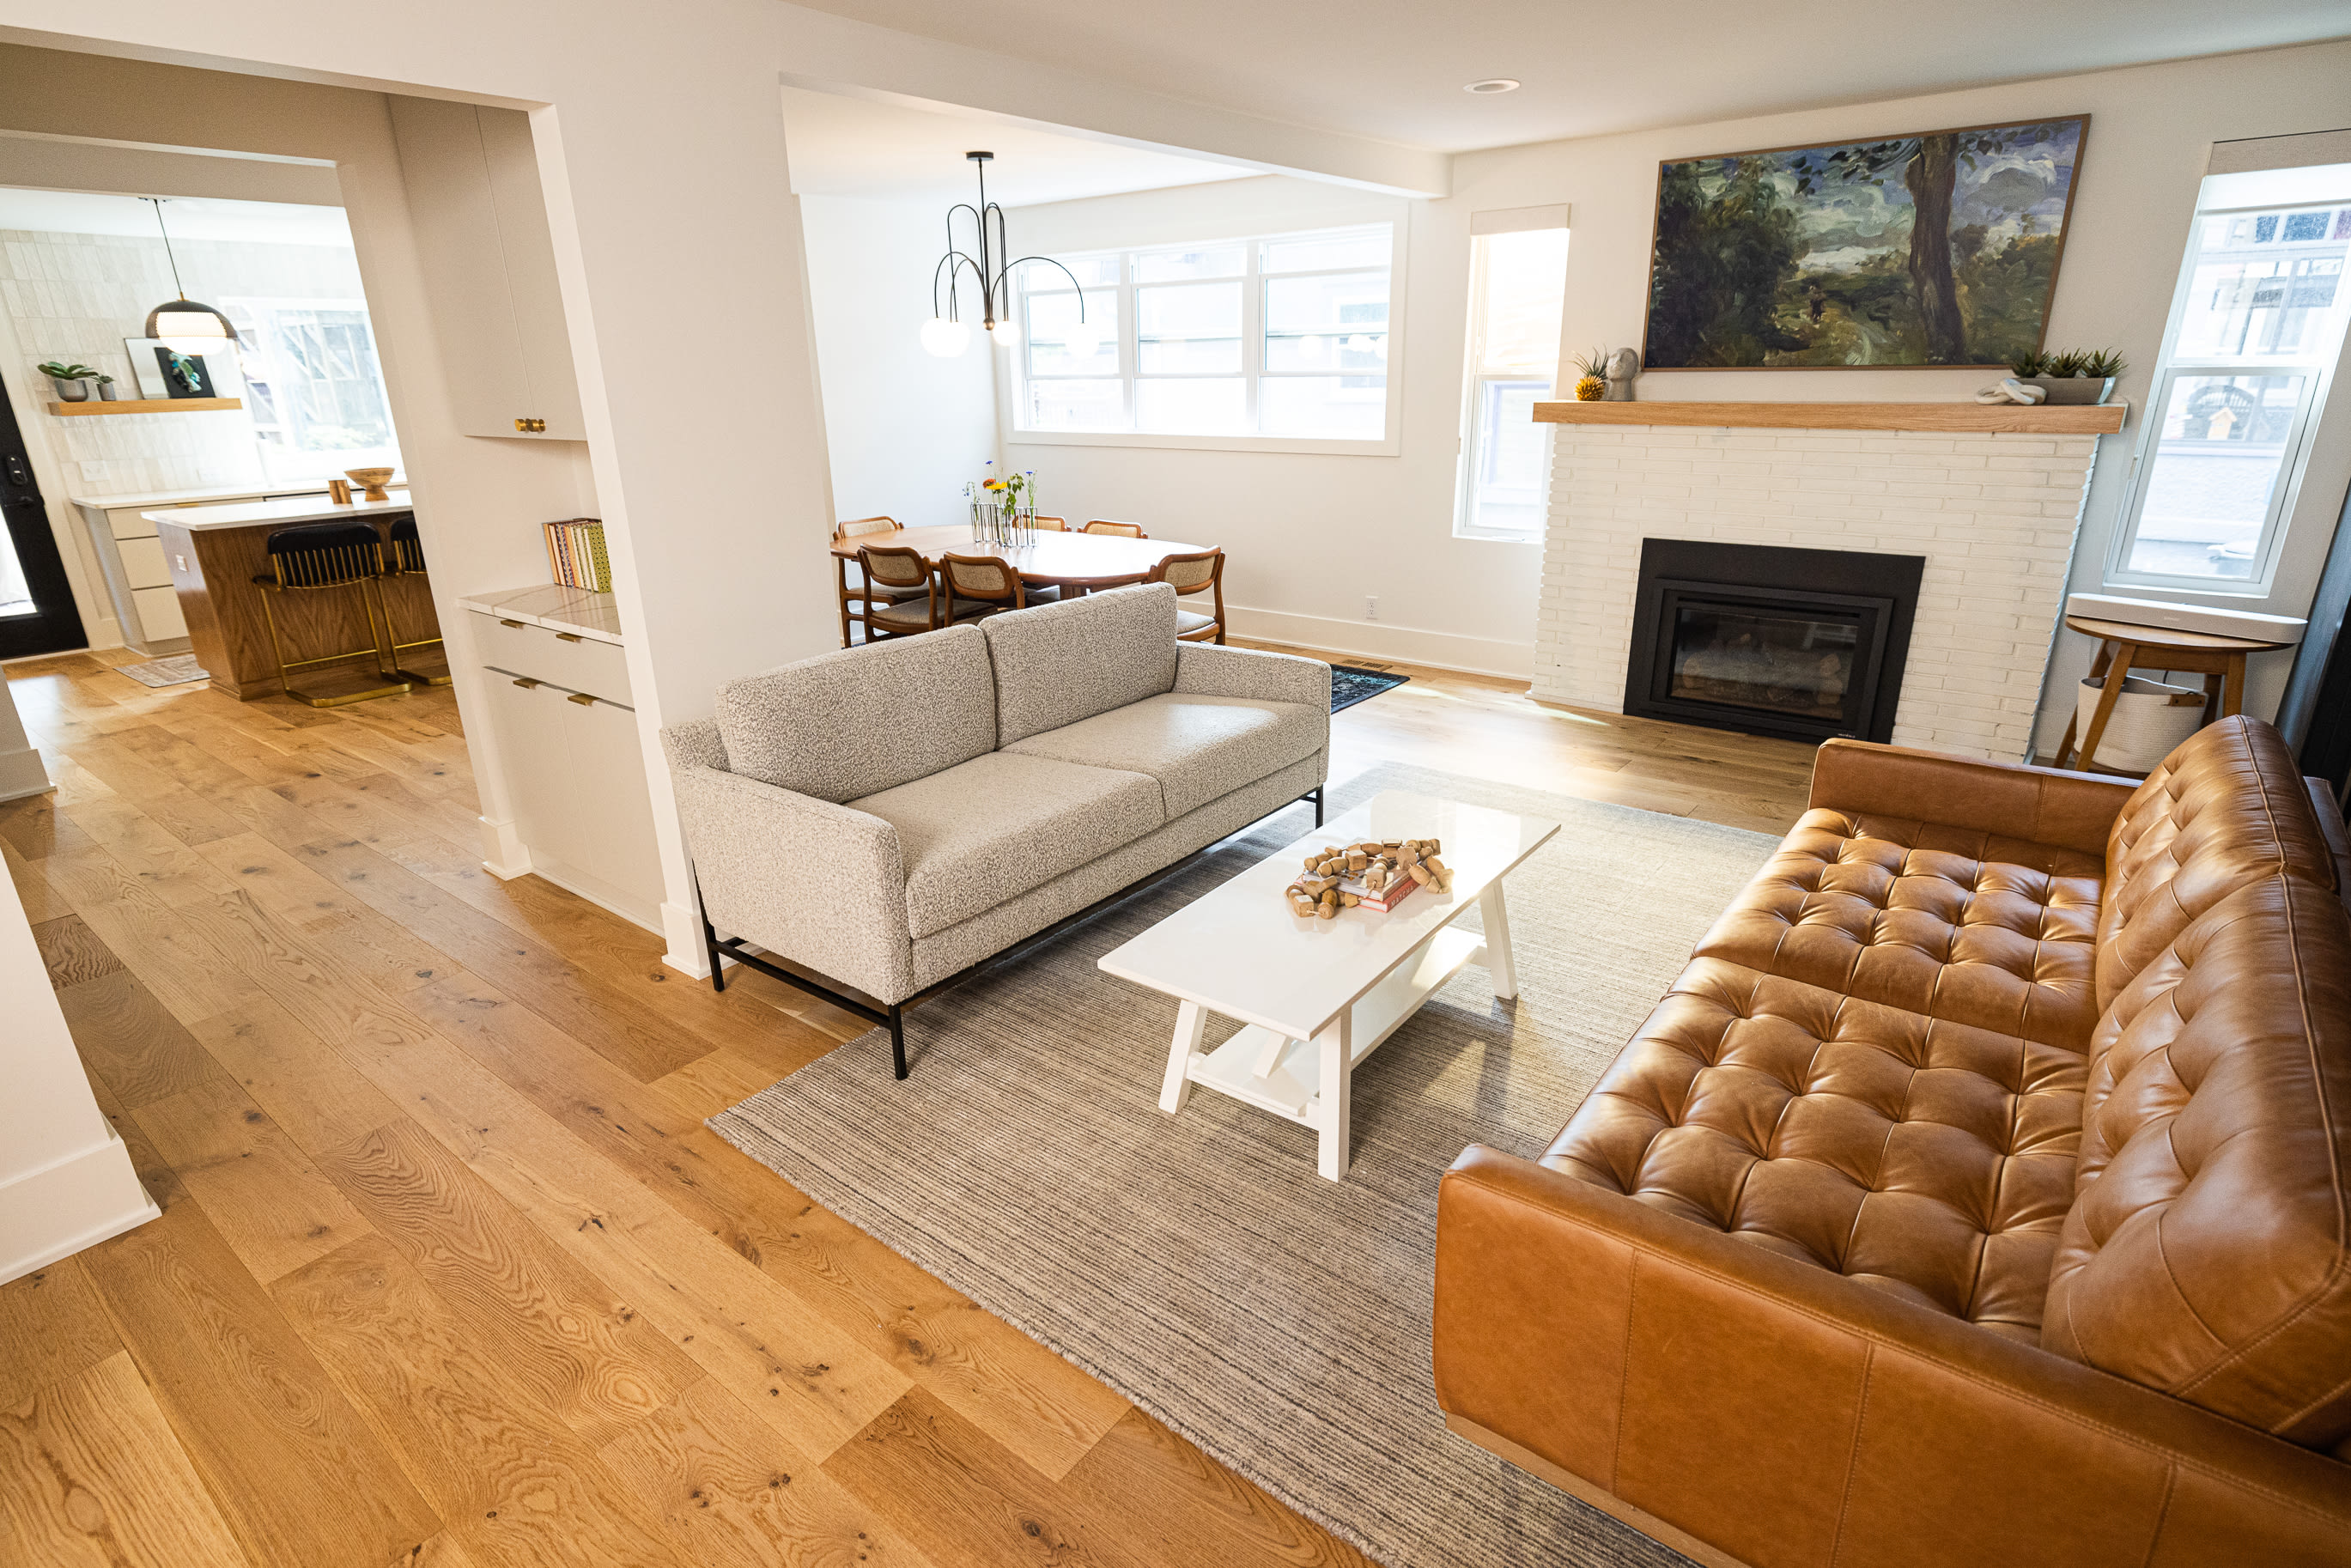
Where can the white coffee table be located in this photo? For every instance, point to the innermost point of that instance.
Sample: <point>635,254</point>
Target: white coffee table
<point>1320,996</point>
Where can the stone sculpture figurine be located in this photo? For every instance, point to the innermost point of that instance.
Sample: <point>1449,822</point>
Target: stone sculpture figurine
<point>1622,366</point>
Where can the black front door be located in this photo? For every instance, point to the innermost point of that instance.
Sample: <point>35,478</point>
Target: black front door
<point>36,607</point>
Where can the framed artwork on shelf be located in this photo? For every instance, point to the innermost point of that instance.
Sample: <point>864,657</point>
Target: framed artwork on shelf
<point>1935,247</point>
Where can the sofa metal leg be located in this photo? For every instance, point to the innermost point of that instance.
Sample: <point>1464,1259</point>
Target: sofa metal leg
<point>898,1040</point>
<point>710,943</point>
<point>1317,798</point>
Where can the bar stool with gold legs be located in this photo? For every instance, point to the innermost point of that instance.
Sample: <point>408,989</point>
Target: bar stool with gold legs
<point>403,556</point>
<point>320,557</point>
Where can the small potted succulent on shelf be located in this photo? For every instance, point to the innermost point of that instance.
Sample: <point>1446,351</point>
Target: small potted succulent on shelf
<point>1592,376</point>
<point>2072,375</point>
<point>72,380</point>
<point>105,387</point>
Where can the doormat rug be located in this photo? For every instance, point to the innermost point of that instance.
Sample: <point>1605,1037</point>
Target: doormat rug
<point>1350,686</point>
<point>176,671</point>
<point>1195,1263</point>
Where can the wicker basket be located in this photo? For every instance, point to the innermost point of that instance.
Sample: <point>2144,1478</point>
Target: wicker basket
<point>2149,721</point>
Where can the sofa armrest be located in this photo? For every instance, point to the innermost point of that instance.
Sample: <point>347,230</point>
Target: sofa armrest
<point>1785,1415</point>
<point>2012,799</point>
<point>1207,670</point>
<point>819,883</point>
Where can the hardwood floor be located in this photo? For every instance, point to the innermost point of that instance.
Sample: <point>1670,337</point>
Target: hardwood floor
<point>450,1274</point>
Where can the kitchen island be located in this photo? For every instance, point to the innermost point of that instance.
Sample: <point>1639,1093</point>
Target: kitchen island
<point>215,552</point>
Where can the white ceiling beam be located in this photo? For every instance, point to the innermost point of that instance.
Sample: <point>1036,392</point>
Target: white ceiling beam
<point>858,60</point>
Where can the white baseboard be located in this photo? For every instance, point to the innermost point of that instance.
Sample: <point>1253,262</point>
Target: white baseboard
<point>502,854</point>
<point>681,928</point>
<point>1403,644</point>
<point>21,774</point>
<point>70,1204</point>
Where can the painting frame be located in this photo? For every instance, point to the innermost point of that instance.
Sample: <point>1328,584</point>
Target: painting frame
<point>1649,311</point>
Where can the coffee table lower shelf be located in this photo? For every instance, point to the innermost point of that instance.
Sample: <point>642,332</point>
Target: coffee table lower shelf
<point>1284,1076</point>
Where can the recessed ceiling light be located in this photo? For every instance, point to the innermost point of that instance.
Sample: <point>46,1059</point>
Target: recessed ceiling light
<point>1494,84</point>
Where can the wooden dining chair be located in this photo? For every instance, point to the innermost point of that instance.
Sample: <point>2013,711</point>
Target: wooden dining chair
<point>1126,530</point>
<point>913,606</point>
<point>849,578</point>
<point>976,586</point>
<point>1052,525</point>
<point>1202,571</point>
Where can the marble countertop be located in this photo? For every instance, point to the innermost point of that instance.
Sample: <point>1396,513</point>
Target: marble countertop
<point>296,488</point>
<point>553,606</point>
<point>303,510</point>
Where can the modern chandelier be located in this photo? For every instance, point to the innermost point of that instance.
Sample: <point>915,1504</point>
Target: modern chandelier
<point>944,334</point>
<point>182,323</point>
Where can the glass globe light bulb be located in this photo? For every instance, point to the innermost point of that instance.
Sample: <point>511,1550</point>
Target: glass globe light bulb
<point>1007,333</point>
<point>945,338</point>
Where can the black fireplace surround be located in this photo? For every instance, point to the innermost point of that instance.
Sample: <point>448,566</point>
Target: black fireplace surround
<point>1802,643</point>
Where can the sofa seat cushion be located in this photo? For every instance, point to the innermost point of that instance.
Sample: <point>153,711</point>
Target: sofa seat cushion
<point>1930,1159</point>
<point>1197,748</point>
<point>1949,923</point>
<point>998,825</point>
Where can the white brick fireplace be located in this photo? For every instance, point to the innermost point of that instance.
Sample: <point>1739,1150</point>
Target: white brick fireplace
<point>1993,512</point>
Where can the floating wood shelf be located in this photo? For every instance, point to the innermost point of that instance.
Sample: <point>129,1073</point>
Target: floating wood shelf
<point>146,405</point>
<point>2037,419</point>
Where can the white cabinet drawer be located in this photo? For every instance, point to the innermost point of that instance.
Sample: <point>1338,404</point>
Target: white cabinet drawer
<point>563,659</point>
<point>127,524</point>
<point>159,613</point>
<point>142,563</point>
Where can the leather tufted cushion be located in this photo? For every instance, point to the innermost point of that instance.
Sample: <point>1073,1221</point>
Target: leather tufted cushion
<point>1996,934</point>
<point>1929,1159</point>
<point>2226,808</point>
<point>2207,1254</point>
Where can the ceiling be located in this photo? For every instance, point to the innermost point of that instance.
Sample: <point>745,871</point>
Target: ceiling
<point>853,147</point>
<point>1393,70</point>
<point>188,217</point>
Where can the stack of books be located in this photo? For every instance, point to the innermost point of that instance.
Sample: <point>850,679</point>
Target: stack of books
<point>575,550</point>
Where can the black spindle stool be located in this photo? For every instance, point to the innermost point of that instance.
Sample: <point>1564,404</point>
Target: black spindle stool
<point>320,558</point>
<point>403,556</point>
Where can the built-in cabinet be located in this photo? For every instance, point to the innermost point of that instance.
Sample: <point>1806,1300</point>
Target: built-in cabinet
<point>137,574</point>
<point>481,238</point>
<point>565,728</point>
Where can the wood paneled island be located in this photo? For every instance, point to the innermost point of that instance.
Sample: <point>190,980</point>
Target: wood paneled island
<point>214,553</point>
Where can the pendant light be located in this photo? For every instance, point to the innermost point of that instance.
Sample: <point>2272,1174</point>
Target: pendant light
<point>182,323</point>
<point>944,334</point>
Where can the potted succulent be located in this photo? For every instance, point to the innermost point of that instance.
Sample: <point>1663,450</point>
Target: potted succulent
<point>1592,376</point>
<point>71,380</point>
<point>2072,375</point>
<point>105,387</point>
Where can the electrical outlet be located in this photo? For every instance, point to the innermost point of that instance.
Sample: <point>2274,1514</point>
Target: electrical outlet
<point>1371,607</point>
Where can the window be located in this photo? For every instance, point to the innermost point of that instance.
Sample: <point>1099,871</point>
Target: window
<point>1242,341</point>
<point>1516,283</point>
<point>2253,343</point>
<point>313,387</point>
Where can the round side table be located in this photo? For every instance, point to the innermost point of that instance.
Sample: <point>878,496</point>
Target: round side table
<point>2123,648</point>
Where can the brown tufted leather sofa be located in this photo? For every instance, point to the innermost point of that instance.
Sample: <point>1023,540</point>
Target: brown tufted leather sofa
<point>1980,1194</point>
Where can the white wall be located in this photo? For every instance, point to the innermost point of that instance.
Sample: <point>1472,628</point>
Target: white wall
<point>1310,535</point>
<point>65,1180</point>
<point>905,429</point>
<point>77,297</point>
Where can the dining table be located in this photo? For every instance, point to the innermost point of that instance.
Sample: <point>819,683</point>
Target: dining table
<point>1084,562</point>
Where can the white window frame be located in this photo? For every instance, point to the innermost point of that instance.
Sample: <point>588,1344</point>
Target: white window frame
<point>1475,380</point>
<point>2318,372</point>
<point>1253,372</point>
<point>286,463</point>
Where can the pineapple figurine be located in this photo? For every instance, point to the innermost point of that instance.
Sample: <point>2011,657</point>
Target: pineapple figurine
<point>1592,376</point>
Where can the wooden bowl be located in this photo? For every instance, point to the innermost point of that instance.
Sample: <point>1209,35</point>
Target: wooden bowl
<point>370,482</point>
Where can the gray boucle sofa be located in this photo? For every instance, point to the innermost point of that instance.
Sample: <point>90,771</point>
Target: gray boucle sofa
<point>889,816</point>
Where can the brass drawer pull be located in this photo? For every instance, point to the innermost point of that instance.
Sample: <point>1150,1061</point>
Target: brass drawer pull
<point>531,426</point>
<point>568,637</point>
<point>582,698</point>
<point>506,622</point>
<point>526,683</point>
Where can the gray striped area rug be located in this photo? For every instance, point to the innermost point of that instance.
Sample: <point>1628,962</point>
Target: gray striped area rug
<point>1195,1263</point>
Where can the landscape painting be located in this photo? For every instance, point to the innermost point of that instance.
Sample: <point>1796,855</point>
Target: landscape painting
<point>1938,248</point>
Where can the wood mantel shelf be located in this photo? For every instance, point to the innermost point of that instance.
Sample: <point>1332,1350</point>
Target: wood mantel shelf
<point>145,405</point>
<point>2009,418</point>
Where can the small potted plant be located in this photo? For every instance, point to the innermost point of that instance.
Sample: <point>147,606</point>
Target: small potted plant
<point>2072,375</point>
<point>72,380</point>
<point>1592,376</point>
<point>105,387</point>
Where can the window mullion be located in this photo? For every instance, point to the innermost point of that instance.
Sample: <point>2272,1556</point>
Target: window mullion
<point>1253,339</point>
